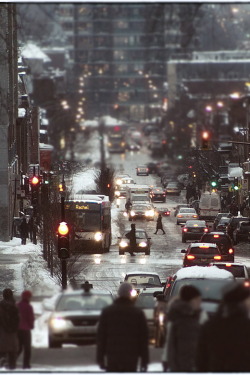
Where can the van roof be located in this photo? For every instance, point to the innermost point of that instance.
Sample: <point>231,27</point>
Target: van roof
<point>211,272</point>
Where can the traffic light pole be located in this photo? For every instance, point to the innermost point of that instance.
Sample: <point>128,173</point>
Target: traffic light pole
<point>63,261</point>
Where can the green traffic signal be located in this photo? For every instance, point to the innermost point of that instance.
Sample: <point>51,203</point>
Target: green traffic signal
<point>213,184</point>
<point>236,187</point>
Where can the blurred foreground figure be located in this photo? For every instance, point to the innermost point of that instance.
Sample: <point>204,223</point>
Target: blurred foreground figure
<point>184,320</point>
<point>122,336</point>
<point>224,343</point>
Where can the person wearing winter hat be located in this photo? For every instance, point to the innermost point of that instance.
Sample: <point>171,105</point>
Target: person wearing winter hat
<point>224,342</point>
<point>25,326</point>
<point>184,320</point>
<point>122,335</point>
<point>9,320</point>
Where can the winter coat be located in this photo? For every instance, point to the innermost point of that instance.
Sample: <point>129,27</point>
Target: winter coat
<point>182,337</point>
<point>9,321</point>
<point>122,334</point>
<point>132,238</point>
<point>26,315</point>
<point>159,223</point>
<point>24,229</point>
<point>224,343</point>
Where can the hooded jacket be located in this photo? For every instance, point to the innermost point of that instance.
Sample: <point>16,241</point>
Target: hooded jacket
<point>26,315</point>
<point>182,337</point>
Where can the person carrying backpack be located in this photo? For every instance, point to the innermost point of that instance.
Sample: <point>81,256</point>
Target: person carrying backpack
<point>9,321</point>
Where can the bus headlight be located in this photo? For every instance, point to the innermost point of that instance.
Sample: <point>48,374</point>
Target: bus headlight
<point>123,244</point>
<point>143,244</point>
<point>149,213</point>
<point>98,236</point>
<point>118,182</point>
<point>132,213</point>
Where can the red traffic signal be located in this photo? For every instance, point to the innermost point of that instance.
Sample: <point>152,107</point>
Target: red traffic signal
<point>205,135</point>
<point>34,181</point>
<point>205,140</point>
<point>63,240</point>
<point>63,229</point>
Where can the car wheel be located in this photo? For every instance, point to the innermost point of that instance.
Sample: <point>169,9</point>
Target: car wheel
<point>121,252</point>
<point>54,344</point>
<point>183,240</point>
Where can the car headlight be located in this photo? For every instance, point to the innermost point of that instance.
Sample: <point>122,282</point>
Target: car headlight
<point>58,323</point>
<point>161,318</point>
<point>123,244</point>
<point>143,244</point>
<point>119,182</point>
<point>117,193</point>
<point>133,293</point>
<point>98,236</point>
<point>132,213</point>
<point>149,213</point>
<point>125,213</point>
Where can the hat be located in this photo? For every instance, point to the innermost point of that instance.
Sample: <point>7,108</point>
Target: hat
<point>26,295</point>
<point>125,290</point>
<point>236,294</point>
<point>189,292</point>
<point>7,294</point>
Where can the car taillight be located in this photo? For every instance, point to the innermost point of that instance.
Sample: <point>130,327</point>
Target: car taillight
<point>206,230</point>
<point>217,257</point>
<point>247,284</point>
<point>216,236</point>
<point>194,215</point>
<point>179,215</point>
<point>231,251</point>
<point>185,229</point>
<point>190,257</point>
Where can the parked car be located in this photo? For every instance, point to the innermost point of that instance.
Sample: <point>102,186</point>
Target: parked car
<point>219,216</point>
<point>142,170</point>
<point>240,234</point>
<point>173,188</point>
<point>223,241</point>
<point>142,242</point>
<point>184,214</point>
<point>152,167</point>
<point>198,254</point>
<point>144,279</point>
<point>210,281</point>
<point>193,230</point>
<point>75,317</point>
<point>238,270</point>
<point>157,194</point>
<point>142,211</point>
<point>234,220</point>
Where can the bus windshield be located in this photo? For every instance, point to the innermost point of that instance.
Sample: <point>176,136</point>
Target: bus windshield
<point>87,221</point>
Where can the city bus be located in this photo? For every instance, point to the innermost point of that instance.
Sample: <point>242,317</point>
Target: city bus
<point>89,219</point>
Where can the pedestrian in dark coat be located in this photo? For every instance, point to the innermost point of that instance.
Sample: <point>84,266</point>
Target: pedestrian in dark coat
<point>26,324</point>
<point>131,235</point>
<point>122,336</point>
<point>9,320</point>
<point>24,230</point>
<point>159,225</point>
<point>184,319</point>
<point>224,342</point>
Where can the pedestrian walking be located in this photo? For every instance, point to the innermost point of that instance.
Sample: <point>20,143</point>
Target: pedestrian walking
<point>131,235</point>
<point>24,230</point>
<point>122,335</point>
<point>184,319</point>
<point>224,342</point>
<point>128,205</point>
<point>9,320</point>
<point>159,225</point>
<point>26,324</point>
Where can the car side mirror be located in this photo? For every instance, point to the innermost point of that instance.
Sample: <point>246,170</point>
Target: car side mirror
<point>183,251</point>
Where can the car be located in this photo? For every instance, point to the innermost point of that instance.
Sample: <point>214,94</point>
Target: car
<point>193,230</point>
<point>210,281</point>
<point>142,170</point>
<point>163,211</point>
<point>133,146</point>
<point>219,216</point>
<point>184,214</point>
<point>75,317</point>
<point>157,194</point>
<point>146,301</point>
<point>240,234</point>
<point>238,270</point>
<point>142,242</point>
<point>173,188</point>
<point>222,225</point>
<point>144,279</point>
<point>152,167</point>
<point>223,241</point>
<point>180,206</point>
<point>142,211</point>
<point>233,224</point>
<point>201,253</point>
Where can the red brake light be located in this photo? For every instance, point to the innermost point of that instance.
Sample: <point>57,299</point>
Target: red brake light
<point>203,247</point>
<point>247,284</point>
<point>190,257</point>
<point>216,236</point>
<point>185,229</point>
<point>231,251</point>
<point>217,257</point>
<point>228,265</point>
<point>206,230</point>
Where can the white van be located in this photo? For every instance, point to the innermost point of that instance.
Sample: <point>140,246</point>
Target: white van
<point>209,206</point>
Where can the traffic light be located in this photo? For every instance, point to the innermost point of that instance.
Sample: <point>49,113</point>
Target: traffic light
<point>35,185</point>
<point>63,240</point>
<point>213,183</point>
<point>235,184</point>
<point>205,140</point>
<point>62,187</point>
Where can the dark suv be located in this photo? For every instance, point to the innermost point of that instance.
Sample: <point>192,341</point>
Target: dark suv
<point>240,234</point>
<point>223,241</point>
<point>233,222</point>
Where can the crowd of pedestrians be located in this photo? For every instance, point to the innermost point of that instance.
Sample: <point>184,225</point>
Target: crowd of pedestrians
<point>16,323</point>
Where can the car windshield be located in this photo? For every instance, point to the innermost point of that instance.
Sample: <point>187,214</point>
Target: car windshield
<point>140,234</point>
<point>224,220</point>
<point>145,301</point>
<point>83,302</point>
<point>142,207</point>
<point>187,210</point>
<point>195,223</point>
<point>144,280</point>
<point>236,270</point>
<point>203,250</point>
<point>172,184</point>
<point>211,289</point>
